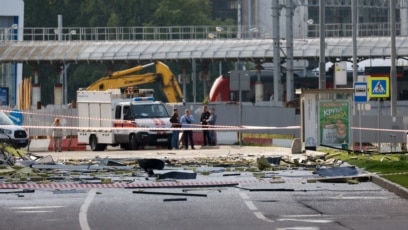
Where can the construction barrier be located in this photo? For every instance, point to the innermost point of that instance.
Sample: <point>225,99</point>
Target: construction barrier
<point>46,144</point>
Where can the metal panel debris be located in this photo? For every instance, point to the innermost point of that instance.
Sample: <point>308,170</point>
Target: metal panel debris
<point>170,193</point>
<point>337,171</point>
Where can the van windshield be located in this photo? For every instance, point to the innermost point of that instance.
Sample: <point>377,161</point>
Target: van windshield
<point>149,111</point>
<point>5,120</point>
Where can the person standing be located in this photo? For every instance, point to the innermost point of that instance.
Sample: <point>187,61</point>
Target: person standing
<point>175,123</point>
<point>57,135</point>
<point>186,122</point>
<point>211,122</point>
<point>204,117</point>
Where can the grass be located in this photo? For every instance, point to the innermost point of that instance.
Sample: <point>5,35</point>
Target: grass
<point>399,179</point>
<point>382,164</point>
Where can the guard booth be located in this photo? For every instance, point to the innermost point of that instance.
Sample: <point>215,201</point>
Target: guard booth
<point>326,117</point>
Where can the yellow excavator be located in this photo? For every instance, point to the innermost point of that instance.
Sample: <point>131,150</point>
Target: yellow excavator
<point>125,79</point>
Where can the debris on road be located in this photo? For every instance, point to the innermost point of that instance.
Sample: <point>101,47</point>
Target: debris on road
<point>175,199</point>
<point>337,171</point>
<point>28,168</point>
<point>180,175</point>
<point>170,193</point>
<point>20,191</point>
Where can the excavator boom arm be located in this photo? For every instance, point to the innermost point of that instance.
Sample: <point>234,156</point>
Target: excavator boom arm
<point>170,85</point>
<point>123,78</point>
<point>109,82</point>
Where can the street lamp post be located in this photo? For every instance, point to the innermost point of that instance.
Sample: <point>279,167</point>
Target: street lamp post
<point>322,34</point>
<point>64,35</point>
<point>7,32</point>
<point>64,79</point>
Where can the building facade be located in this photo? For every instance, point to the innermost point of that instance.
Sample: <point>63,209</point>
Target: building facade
<point>11,19</point>
<point>255,17</point>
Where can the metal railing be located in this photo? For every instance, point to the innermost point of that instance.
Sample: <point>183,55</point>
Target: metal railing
<point>345,30</point>
<point>185,32</point>
<point>133,33</point>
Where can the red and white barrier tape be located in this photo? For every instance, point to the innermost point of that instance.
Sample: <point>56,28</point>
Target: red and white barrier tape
<point>141,122</point>
<point>215,127</point>
<point>63,185</point>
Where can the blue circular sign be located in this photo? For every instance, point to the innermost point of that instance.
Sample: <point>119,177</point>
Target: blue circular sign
<point>17,117</point>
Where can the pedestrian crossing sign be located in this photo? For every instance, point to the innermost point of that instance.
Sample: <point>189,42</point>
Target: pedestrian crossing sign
<point>378,87</point>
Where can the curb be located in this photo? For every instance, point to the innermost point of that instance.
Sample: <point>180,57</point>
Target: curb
<point>390,186</point>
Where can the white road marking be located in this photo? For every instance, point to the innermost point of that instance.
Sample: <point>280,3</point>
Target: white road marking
<point>34,211</point>
<point>35,207</point>
<point>262,217</point>
<point>309,215</point>
<point>244,196</point>
<point>359,198</point>
<point>252,207</point>
<point>306,220</point>
<point>299,228</point>
<point>248,202</point>
<point>83,213</point>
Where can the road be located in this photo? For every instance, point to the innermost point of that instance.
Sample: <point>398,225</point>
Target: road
<point>285,199</point>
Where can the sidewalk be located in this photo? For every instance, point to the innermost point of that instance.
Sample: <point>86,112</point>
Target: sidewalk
<point>71,143</point>
<point>199,152</point>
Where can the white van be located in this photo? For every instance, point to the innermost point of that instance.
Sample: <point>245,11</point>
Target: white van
<point>11,133</point>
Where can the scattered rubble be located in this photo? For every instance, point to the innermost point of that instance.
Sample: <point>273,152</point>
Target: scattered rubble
<point>337,171</point>
<point>170,193</point>
<point>17,167</point>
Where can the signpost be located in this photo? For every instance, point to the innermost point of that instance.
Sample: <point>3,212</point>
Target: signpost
<point>360,92</point>
<point>240,80</point>
<point>379,87</point>
<point>360,96</point>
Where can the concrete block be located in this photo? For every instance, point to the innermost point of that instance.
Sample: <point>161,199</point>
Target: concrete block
<point>296,147</point>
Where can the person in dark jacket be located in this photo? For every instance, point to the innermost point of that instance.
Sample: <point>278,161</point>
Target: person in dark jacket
<point>211,123</point>
<point>175,123</point>
<point>203,121</point>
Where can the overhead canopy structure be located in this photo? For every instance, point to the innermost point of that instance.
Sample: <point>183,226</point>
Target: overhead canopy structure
<point>217,49</point>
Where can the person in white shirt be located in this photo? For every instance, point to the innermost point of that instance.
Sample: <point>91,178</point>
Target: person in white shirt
<point>186,122</point>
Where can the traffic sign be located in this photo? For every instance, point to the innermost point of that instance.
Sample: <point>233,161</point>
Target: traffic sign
<point>17,117</point>
<point>378,87</point>
<point>360,92</point>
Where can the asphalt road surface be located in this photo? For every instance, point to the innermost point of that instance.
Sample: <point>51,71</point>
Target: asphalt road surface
<point>309,206</point>
<point>284,199</point>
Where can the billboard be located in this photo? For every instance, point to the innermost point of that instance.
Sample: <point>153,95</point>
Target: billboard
<point>334,122</point>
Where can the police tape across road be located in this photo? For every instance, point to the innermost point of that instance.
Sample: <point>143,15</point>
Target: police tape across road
<point>139,124</point>
<point>196,127</point>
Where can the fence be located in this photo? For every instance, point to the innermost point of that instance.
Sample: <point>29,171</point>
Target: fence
<point>184,32</point>
<point>270,120</point>
<point>39,122</point>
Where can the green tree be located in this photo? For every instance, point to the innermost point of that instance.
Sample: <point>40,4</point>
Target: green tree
<point>112,13</point>
<point>182,12</point>
<point>102,13</point>
<point>44,13</point>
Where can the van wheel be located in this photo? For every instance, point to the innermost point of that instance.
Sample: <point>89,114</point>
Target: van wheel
<point>124,146</point>
<point>93,142</point>
<point>133,143</point>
